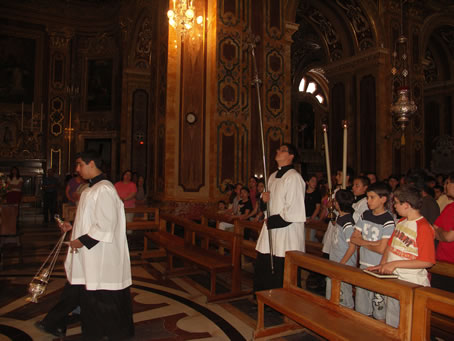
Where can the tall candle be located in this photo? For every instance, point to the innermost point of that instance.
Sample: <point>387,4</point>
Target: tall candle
<point>328,166</point>
<point>33,111</point>
<point>22,119</point>
<point>344,157</point>
<point>41,120</point>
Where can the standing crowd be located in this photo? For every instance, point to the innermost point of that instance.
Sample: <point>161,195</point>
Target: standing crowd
<point>401,227</point>
<point>390,227</point>
<point>397,227</point>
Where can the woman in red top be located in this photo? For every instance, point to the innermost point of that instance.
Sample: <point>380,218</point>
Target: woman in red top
<point>444,232</point>
<point>127,191</point>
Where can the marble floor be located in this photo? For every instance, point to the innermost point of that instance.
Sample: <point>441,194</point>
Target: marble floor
<point>164,308</point>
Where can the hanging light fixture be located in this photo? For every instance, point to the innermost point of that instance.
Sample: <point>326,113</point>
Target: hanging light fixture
<point>182,16</point>
<point>403,108</point>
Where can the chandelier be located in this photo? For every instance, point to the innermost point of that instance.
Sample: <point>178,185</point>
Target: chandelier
<point>403,108</point>
<point>182,16</point>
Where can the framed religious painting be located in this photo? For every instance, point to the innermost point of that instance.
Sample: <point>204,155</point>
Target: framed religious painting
<point>17,69</point>
<point>99,85</point>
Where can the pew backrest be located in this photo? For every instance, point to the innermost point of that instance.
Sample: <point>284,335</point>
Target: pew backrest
<point>426,301</point>
<point>401,290</point>
<point>443,268</point>
<point>149,219</point>
<point>194,232</point>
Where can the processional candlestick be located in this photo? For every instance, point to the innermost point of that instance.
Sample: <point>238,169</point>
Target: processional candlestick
<point>331,214</point>
<point>344,156</point>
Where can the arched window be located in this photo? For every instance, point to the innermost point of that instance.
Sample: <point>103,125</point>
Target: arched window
<point>310,86</point>
<point>310,110</point>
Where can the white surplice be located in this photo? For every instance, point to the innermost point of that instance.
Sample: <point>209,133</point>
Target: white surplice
<point>106,266</point>
<point>287,200</point>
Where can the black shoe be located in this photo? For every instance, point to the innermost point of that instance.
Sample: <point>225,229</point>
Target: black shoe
<point>58,332</point>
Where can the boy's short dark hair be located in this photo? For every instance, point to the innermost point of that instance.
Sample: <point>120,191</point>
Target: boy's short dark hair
<point>429,190</point>
<point>429,178</point>
<point>409,194</point>
<point>416,178</point>
<point>380,188</point>
<point>245,188</point>
<point>450,177</point>
<point>292,151</point>
<point>229,187</point>
<point>345,199</point>
<point>395,177</point>
<point>372,173</point>
<point>90,155</point>
<point>364,180</point>
<point>440,188</point>
<point>350,172</point>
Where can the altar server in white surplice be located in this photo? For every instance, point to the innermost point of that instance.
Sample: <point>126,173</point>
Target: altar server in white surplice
<point>285,198</point>
<point>99,274</point>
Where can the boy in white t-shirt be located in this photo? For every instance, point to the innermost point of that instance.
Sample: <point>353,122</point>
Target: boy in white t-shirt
<point>359,188</point>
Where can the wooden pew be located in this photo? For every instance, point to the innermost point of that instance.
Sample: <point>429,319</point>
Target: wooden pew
<point>247,246</point>
<point>442,325</point>
<point>198,245</point>
<point>428,301</point>
<point>148,222</point>
<point>327,317</point>
<point>213,217</point>
<point>443,268</point>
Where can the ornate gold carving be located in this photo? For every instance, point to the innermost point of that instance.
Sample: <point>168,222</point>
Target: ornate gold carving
<point>56,116</point>
<point>55,158</point>
<point>60,39</point>
<point>102,43</point>
<point>98,124</point>
<point>125,23</point>
<point>372,56</point>
<point>290,29</point>
<point>143,46</point>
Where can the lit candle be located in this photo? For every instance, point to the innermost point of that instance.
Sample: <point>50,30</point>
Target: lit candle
<point>344,157</point>
<point>41,120</point>
<point>33,111</point>
<point>328,166</point>
<point>22,119</point>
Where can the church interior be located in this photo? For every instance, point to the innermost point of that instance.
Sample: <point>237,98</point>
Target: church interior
<point>197,105</point>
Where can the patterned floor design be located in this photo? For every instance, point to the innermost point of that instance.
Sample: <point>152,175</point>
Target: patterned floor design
<point>164,309</point>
